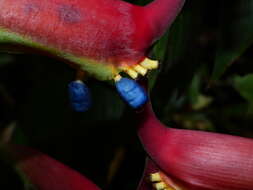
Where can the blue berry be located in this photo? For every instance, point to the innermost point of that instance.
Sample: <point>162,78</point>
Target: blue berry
<point>79,95</point>
<point>131,92</point>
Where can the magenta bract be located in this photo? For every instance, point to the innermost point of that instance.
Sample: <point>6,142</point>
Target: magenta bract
<point>45,173</point>
<point>202,160</point>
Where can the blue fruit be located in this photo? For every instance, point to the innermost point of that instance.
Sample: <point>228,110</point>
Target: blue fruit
<point>79,95</point>
<point>131,92</point>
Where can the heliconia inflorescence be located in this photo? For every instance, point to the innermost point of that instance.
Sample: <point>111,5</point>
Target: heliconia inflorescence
<point>199,160</point>
<point>100,37</point>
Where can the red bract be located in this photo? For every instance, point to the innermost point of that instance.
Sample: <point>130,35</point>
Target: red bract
<point>149,168</point>
<point>102,37</point>
<point>45,173</point>
<point>201,160</point>
<point>152,169</point>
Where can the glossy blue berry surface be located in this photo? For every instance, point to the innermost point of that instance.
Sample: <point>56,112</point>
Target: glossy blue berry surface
<point>79,95</point>
<point>131,92</point>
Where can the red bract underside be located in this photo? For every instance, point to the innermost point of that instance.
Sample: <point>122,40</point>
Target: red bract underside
<point>202,160</point>
<point>44,172</point>
<point>111,31</point>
